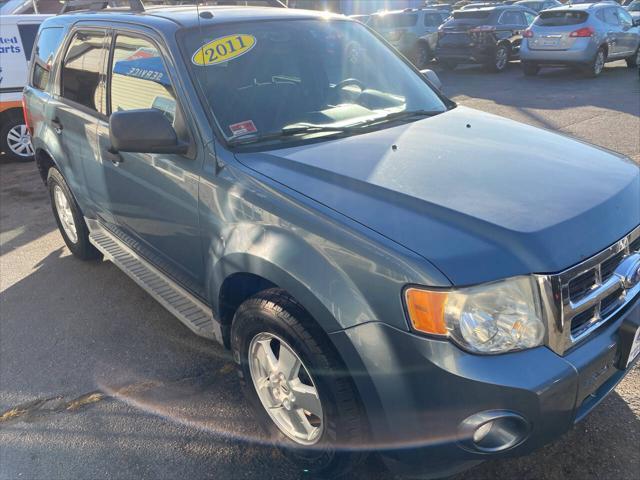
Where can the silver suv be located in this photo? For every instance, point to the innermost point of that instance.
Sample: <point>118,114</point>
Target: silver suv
<point>586,35</point>
<point>414,31</point>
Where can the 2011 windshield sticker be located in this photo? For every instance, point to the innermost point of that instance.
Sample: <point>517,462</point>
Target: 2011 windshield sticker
<point>223,49</point>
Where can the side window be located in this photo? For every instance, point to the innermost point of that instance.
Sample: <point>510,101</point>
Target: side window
<point>625,18</point>
<point>611,17</point>
<point>46,47</point>
<point>529,17</point>
<point>432,20</point>
<point>510,18</point>
<point>139,78</point>
<point>82,70</point>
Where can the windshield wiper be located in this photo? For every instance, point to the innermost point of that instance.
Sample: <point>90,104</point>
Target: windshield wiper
<point>405,114</point>
<point>302,128</point>
<point>288,131</point>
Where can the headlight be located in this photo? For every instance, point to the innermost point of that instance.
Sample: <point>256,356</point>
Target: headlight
<point>492,318</point>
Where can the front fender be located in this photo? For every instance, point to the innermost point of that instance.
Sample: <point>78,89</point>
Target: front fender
<point>300,267</point>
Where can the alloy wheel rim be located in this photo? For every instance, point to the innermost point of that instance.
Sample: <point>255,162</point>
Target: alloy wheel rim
<point>19,141</point>
<point>65,214</point>
<point>286,389</point>
<point>501,58</point>
<point>599,65</point>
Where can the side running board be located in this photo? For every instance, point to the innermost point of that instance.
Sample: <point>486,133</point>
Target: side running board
<point>189,310</point>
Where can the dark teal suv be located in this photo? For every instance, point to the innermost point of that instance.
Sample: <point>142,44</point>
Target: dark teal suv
<point>392,272</point>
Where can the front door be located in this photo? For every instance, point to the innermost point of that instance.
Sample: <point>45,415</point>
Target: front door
<point>154,197</point>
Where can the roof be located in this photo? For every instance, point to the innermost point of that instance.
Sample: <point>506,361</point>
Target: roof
<point>187,16</point>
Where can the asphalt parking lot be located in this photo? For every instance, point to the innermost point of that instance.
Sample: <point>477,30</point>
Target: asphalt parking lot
<point>98,381</point>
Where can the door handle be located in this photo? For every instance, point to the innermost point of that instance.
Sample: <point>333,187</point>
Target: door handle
<point>57,126</point>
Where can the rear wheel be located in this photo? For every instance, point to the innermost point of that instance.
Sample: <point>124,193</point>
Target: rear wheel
<point>634,60</point>
<point>530,69</point>
<point>597,65</point>
<point>15,140</point>
<point>297,386</point>
<point>500,59</point>
<point>421,55</point>
<point>69,218</point>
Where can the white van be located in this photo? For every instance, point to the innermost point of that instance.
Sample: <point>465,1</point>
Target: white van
<point>17,36</point>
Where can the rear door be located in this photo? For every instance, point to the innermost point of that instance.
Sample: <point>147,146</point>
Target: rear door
<point>77,103</point>
<point>615,37</point>
<point>628,33</point>
<point>154,197</point>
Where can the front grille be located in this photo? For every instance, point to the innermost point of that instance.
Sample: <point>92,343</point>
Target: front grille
<point>582,284</point>
<point>594,291</point>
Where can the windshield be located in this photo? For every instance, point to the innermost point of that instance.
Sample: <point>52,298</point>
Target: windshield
<point>260,77</point>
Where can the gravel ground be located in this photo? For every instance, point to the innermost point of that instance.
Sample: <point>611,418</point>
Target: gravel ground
<point>98,381</point>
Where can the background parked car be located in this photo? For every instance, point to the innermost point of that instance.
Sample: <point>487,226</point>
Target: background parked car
<point>22,7</point>
<point>634,9</point>
<point>585,35</point>
<point>412,31</point>
<point>490,36</point>
<point>539,5</point>
<point>18,34</point>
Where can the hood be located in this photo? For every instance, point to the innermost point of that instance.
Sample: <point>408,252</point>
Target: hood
<point>479,196</point>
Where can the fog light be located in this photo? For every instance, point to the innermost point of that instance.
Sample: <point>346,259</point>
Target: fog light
<point>493,431</point>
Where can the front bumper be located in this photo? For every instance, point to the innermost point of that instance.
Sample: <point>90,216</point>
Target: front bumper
<point>417,391</point>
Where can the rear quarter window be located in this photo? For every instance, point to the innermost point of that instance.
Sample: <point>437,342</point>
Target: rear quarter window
<point>45,50</point>
<point>560,18</point>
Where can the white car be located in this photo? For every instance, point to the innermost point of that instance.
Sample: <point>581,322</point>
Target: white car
<point>16,42</point>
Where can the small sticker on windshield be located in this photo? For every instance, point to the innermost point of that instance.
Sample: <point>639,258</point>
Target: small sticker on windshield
<point>243,128</point>
<point>223,49</point>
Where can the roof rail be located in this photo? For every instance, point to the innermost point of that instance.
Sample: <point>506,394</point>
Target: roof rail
<point>95,5</point>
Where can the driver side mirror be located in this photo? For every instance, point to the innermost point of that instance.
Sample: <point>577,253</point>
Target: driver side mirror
<point>433,78</point>
<point>144,131</point>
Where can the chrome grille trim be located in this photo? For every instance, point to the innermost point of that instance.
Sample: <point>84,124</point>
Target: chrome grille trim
<point>560,309</point>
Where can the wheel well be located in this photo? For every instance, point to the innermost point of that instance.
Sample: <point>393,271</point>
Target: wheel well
<point>235,289</point>
<point>11,112</point>
<point>44,163</point>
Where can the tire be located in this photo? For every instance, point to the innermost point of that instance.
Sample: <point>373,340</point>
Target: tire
<point>597,64</point>
<point>15,140</point>
<point>500,59</point>
<point>448,64</point>
<point>530,69</point>
<point>633,60</point>
<point>79,243</point>
<point>421,55</point>
<point>276,318</point>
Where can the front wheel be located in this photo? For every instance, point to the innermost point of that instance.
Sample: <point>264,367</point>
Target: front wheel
<point>15,140</point>
<point>633,60</point>
<point>297,386</point>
